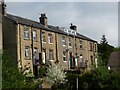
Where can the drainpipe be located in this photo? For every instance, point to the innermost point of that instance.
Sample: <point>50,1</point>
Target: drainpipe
<point>56,47</point>
<point>20,46</point>
<point>41,43</point>
<point>32,47</point>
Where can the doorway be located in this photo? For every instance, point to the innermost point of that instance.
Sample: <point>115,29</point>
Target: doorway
<point>44,56</point>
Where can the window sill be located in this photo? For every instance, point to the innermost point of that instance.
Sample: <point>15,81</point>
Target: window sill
<point>27,58</point>
<point>50,43</point>
<point>64,61</point>
<point>43,42</point>
<point>70,46</point>
<point>51,60</point>
<point>26,38</point>
<point>63,45</point>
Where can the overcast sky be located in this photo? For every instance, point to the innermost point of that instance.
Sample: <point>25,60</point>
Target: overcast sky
<point>93,19</point>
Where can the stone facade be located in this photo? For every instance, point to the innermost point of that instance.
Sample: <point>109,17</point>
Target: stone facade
<point>48,44</point>
<point>74,51</point>
<point>34,43</point>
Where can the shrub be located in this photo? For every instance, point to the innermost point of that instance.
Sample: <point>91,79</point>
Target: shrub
<point>55,74</point>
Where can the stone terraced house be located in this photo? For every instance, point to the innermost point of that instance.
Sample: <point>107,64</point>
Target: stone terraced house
<point>33,44</point>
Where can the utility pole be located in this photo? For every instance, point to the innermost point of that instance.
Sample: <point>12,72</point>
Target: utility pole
<point>77,83</point>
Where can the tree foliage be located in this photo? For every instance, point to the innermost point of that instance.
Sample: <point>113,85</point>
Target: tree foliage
<point>56,74</point>
<point>117,49</point>
<point>104,49</point>
<point>97,79</point>
<point>11,77</point>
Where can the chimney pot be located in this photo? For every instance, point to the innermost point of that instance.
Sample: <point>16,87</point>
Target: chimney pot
<point>73,27</point>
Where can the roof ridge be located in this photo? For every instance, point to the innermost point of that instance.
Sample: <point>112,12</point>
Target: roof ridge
<point>36,24</point>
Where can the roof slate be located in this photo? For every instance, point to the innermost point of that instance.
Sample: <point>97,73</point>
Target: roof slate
<point>36,24</point>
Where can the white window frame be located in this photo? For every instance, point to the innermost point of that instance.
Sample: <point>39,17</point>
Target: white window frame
<point>26,33</point>
<point>27,52</point>
<point>34,35</point>
<point>64,56</point>
<point>50,38</point>
<point>35,51</point>
<point>51,54</point>
<point>81,60</point>
<point>63,41</point>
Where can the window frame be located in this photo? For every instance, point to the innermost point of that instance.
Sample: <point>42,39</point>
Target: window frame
<point>64,56</point>
<point>34,34</point>
<point>35,55</point>
<point>91,46</point>
<point>81,60</point>
<point>43,37</point>
<point>27,51</point>
<point>51,54</point>
<point>69,42</point>
<point>50,38</point>
<point>81,44</point>
<point>63,41</point>
<point>26,33</point>
<point>95,47</point>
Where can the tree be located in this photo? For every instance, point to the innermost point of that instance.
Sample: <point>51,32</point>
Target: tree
<point>56,74</point>
<point>104,50</point>
<point>11,77</point>
<point>117,49</point>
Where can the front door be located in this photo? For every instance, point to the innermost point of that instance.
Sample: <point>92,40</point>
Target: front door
<point>44,56</point>
<point>35,67</point>
<point>70,59</point>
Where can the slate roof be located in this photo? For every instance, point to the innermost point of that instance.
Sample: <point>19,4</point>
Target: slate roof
<point>26,21</point>
<point>62,32</point>
<point>114,60</point>
<point>36,24</point>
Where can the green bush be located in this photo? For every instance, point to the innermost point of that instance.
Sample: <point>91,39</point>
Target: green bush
<point>42,71</point>
<point>11,77</point>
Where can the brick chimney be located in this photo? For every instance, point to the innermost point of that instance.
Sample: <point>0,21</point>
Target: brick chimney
<point>3,6</point>
<point>43,19</point>
<point>73,27</point>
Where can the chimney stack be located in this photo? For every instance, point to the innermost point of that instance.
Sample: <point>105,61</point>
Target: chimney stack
<point>43,19</point>
<point>3,6</point>
<point>73,27</point>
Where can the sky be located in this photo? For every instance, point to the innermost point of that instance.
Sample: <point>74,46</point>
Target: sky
<point>93,19</point>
